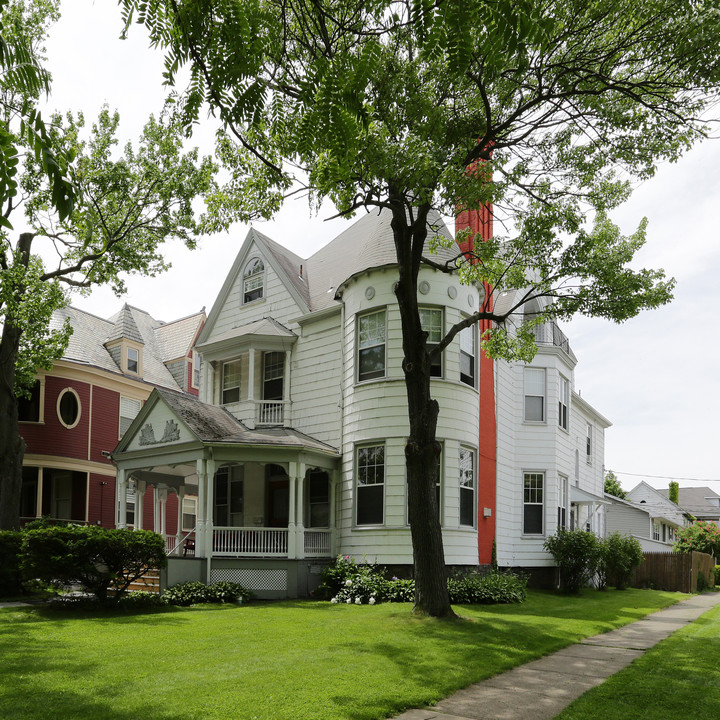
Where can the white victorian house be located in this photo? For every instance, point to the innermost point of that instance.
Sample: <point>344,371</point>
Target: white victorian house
<point>295,448</point>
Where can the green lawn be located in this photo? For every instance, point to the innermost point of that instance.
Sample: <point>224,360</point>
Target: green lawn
<point>281,660</point>
<point>678,679</point>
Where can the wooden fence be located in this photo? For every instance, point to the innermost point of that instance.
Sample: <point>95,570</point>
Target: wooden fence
<point>674,571</point>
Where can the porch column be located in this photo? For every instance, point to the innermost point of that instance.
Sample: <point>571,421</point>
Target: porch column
<point>292,483</point>
<point>38,498</point>
<point>333,477</point>
<point>209,517</point>
<point>121,498</point>
<point>161,494</point>
<point>140,487</point>
<point>179,529</point>
<point>300,515</point>
<point>201,470</point>
<point>251,374</point>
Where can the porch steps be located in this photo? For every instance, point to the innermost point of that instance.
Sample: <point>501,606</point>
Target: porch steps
<point>149,582</point>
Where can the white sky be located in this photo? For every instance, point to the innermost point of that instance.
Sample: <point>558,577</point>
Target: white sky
<point>655,378</point>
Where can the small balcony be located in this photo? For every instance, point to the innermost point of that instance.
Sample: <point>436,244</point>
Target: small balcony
<point>270,412</point>
<point>549,334</point>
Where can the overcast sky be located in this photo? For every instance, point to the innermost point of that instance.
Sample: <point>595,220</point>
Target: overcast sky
<point>655,377</point>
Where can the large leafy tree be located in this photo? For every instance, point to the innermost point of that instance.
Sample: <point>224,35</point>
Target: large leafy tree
<point>544,112</point>
<point>126,204</point>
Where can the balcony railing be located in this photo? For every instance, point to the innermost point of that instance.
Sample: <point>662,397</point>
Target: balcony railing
<point>317,543</point>
<point>250,542</point>
<point>550,334</point>
<point>270,412</point>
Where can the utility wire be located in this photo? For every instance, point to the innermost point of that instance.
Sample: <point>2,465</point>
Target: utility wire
<point>665,477</point>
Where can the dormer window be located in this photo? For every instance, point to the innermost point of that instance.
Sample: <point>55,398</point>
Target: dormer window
<point>133,360</point>
<point>253,280</point>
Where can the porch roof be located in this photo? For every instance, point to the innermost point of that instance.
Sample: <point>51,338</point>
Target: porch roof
<point>213,424</point>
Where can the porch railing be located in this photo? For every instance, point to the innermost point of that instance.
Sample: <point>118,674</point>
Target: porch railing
<point>317,543</point>
<point>250,541</point>
<point>270,412</point>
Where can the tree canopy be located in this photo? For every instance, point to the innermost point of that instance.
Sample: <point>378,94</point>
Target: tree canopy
<point>91,213</point>
<point>543,112</point>
<point>612,485</point>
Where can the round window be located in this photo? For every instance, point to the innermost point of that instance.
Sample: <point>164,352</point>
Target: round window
<point>69,408</point>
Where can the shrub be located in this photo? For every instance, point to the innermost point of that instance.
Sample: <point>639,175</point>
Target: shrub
<point>717,575</point>
<point>194,593</point>
<point>619,555</point>
<point>362,583</point>
<point>576,553</point>
<point>105,562</point>
<point>701,537</point>
<point>10,577</point>
<point>491,588</point>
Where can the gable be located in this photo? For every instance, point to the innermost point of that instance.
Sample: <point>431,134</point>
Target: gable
<point>157,425</point>
<point>283,294</point>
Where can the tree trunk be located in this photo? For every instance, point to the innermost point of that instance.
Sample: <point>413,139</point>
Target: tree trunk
<point>422,450</point>
<point>12,446</point>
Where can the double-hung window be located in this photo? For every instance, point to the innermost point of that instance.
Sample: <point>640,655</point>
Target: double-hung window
<point>196,367</point>
<point>533,486</point>
<point>189,513</point>
<point>129,408</point>
<point>588,444</point>
<point>534,395</point>
<point>371,345</point>
<point>370,488</point>
<point>29,407</point>
<point>253,280</point>
<point>467,355</point>
<point>133,360</point>
<point>562,502</point>
<point>231,382</point>
<point>563,403</point>
<point>467,487</point>
<point>431,320</point>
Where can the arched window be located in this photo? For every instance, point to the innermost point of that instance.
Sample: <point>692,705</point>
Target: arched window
<point>253,280</point>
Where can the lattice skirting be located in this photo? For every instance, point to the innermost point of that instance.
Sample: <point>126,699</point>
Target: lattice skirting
<point>252,578</point>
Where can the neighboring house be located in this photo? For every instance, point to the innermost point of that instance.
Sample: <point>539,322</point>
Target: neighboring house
<point>295,448</point>
<point>667,517</point>
<point>81,408</point>
<point>640,522</point>
<point>550,452</point>
<point>700,502</point>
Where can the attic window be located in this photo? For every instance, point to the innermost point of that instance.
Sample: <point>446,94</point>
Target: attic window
<point>133,360</point>
<point>253,280</point>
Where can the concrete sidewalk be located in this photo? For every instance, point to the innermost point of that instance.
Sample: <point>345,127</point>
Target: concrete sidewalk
<point>543,688</point>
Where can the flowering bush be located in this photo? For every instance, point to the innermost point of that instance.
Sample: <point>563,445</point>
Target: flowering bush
<point>701,537</point>
<point>353,583</point>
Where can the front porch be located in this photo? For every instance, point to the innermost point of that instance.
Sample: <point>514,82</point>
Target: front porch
<point>259,496</point>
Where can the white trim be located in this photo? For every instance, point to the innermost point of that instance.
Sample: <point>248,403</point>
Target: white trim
<point>60,396</point>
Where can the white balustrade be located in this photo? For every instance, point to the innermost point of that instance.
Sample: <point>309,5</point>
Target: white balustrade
<point>270,412</point>
<point>250,541</point>
<point>317,543</point>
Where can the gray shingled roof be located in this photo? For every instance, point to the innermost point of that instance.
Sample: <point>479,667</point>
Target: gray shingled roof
<point>290,264</point>
<point>214,424</point>
<point>693,499</point>
<point>90,333</point>
<point>367,243</point>
<point>266,327</point>
<point>124,326</point>
<point>174,337</point>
